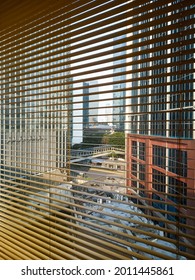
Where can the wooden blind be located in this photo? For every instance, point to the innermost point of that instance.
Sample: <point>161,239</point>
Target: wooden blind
<point>97,130</point>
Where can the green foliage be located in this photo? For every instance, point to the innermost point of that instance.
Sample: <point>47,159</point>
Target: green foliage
<point>113,155</point>
<point>117,139</point>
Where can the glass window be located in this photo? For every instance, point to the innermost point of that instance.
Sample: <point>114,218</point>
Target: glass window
<point>159,156</point>
<point>178,162</point>
<point>142,172</point>
<point>134,167</point>
<point>134,148</point>
<point>142,151</point>
<point>177,191</point>
<point>158,181</point>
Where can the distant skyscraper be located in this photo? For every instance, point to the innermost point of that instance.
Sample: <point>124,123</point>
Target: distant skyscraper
<point>90,103</point>
<point>119,86</point>
<point>106,116</point>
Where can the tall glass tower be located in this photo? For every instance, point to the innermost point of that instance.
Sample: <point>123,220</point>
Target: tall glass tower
<point>160,118</point>
<point>119,85</point>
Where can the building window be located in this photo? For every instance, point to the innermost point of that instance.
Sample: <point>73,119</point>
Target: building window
<point>181,124</point>
<point>134,168</point>
<point>134,149</point>
<point>158,181</point>
<point>142,172</point>
<point>178,162</point>
<point>143,129</point>
<point>142,151</point>
<point>158,124</point>
<point>177,191</point>
<point>159,156</point>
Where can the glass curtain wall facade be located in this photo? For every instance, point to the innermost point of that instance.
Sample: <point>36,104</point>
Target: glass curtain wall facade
<point>29,138</point>
<point>119,84</point>
<point>161,115</point>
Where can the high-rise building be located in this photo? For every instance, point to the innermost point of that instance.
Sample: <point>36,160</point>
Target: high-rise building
<point>160,119</point>
<point>33,125</point>
<point>90,103</point>
<point>119,77</point>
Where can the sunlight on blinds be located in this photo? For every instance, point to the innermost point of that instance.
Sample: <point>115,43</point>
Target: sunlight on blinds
<point>97,130</point>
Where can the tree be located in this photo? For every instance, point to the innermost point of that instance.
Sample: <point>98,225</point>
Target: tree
<point>117,139</point>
